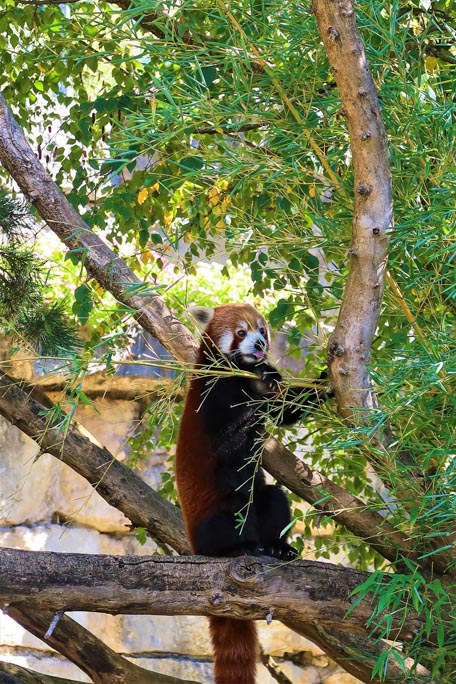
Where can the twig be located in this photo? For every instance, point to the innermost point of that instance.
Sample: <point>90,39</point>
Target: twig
<point>273,669</point>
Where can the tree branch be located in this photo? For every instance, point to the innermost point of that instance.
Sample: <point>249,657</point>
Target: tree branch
<point>305,592</point>
<point>361,652</point>
<point>95,658</point>
<point>351,341</point>
<point>333,500</point>
<point>104,265</point>
<point>14,674</point>
<point>116,483</point>
<point>350,344</point>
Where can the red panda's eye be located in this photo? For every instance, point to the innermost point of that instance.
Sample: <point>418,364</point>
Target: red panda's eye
<point>241,333</point>
<point>262,331</point>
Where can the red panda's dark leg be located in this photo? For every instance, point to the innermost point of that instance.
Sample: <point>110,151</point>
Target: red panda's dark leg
<point>221,534</point>
<point>273,512</point>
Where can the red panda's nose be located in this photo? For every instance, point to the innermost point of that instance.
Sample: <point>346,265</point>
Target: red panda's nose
<point>261,345</point>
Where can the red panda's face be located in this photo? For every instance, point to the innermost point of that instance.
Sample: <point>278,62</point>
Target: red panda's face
<point>237,331</point>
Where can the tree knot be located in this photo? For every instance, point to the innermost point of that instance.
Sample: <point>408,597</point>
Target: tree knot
<point>308,476</point>
<point>335,349</point>
<point>245,569</point>
<point>346,8</point>
<point>364,190</point>
<point>217,599</point>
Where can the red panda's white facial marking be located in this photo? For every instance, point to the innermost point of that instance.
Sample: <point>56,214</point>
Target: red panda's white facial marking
<point>226,342</point>
<point>237,331</point>
<point>252,342</point>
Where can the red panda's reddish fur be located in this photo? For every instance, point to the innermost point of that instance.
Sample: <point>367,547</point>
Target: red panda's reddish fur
<point>197,494</point>
<point>235,642</point>
<point>217,471</point>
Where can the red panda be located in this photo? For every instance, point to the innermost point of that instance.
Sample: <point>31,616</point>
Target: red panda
<point>228,508</point>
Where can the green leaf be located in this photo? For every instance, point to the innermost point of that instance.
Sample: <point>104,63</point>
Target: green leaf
<point>141,535</point>
<point>190,164</point>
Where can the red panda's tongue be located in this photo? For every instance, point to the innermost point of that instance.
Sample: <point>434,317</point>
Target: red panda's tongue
<point>259,354</point>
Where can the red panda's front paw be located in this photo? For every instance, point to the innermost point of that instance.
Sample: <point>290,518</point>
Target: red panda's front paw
<point>272,380</point>
<point>282,551</point>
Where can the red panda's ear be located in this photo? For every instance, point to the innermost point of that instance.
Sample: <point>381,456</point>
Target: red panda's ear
<point>201,315</point>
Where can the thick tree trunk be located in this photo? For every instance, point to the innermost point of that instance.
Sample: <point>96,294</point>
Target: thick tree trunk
<point>350,343</point>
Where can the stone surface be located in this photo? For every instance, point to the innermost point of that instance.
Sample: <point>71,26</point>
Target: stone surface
<point>23,496</point>
<point>340,678</point>
<point>303,675</point>
<point>276,639</point>
<point>181,634</point>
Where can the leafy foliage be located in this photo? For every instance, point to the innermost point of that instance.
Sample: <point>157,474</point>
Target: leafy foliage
<point>201,131</point>
<point>23,309</point>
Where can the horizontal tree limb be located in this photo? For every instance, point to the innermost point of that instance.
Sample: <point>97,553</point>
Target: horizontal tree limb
<point>302,592</point>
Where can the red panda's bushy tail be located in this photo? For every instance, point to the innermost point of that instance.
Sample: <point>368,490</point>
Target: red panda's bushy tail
<point>235,644</point>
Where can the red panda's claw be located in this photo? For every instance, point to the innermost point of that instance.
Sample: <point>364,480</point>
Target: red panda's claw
<point>272,380</point>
